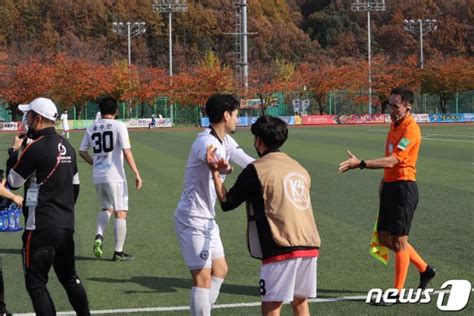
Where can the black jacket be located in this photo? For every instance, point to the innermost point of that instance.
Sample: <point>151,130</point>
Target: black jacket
<point>49,165</point>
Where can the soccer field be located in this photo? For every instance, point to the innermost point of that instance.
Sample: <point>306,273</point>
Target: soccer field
<point>345,208</point>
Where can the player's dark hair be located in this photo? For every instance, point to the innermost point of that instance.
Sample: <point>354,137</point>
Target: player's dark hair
<point>108,105</point>
<point>218,104</point>
<point>271,130</point>
<point>405,94</point>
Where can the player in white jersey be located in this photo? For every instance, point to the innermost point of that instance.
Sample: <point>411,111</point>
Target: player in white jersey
<point>65,124</point>
<point>110,143</point>
<point>196,229</point>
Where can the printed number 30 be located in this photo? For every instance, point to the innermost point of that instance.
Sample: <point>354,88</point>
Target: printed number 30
<point>262,289</point>
<point>103,142</point>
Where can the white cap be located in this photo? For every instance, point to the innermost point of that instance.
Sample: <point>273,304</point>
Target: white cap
<point>41,106</point>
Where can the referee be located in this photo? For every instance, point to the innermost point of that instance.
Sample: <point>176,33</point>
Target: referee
<point>48,169</point>
<point>398,188</point>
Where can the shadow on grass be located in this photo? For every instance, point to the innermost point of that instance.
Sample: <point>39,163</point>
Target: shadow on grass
<point>11,251</point>
<point>18,252</point>
<point>91,258</point>
<point>164,284</point>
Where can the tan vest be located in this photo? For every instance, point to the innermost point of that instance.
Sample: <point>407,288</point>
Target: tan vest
<point>286,194</point>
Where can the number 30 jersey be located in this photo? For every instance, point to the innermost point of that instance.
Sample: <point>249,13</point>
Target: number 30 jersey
<point>107,138</point>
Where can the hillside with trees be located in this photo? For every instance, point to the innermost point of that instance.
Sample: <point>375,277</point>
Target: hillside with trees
<point>66,49</point>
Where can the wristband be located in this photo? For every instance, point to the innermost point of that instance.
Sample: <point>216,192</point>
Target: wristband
<point>362,165</point>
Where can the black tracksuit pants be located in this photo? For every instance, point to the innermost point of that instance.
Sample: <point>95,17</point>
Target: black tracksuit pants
<point>42,250</point>
<point>3,307</point>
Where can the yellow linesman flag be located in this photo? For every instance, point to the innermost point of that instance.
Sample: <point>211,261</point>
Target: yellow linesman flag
<point>377,250</point>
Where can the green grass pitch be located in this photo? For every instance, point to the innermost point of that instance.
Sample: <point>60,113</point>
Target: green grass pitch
<point>345,207</point>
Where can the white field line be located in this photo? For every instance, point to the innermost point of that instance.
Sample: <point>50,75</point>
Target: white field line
<point>220,306</point>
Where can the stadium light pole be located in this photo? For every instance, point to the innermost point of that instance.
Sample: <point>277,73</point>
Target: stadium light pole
<point>421,27</point>
<point>129,30</point>
<point>369,6</point>
<point>170,6</point>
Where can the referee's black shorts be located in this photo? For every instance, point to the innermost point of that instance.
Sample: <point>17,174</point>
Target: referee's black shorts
<point>398,202</point>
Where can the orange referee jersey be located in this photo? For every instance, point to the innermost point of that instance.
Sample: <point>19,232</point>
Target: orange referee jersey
<point>403,142</point>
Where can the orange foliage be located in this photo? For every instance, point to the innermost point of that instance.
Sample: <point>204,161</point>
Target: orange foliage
<point>151,82</point>
<point>194,86</point>
<point>77,81</point>
<point>322,79</point>
<point>445,77</point>
<point>24,82</point>
<point>387,76</point>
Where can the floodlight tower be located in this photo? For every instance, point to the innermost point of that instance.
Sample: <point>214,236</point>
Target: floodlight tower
<point>244,47</point>
<point>241,42</point>
<point>369,6</point>
<point>129,30</point>
<point>170,6</point>
<point>421,27</point>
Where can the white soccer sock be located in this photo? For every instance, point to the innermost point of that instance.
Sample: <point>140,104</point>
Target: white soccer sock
<point>67,135</point>
<point>120,233</point>
<point>102,221</point>
<point>216,283</point>
<point>199,303</point>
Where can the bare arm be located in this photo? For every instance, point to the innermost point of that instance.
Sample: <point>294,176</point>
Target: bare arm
<point>87,158</point>
<point>131,162</point>
<point>17,199</point>
<point>378,163</point>
<point>219,185</point>
<point>215,166</point>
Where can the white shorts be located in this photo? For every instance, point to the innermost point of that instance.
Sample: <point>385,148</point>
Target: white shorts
<point>281,281</point>
<point>199,243</point>
<point>113,195</point>
<point>66,128</point>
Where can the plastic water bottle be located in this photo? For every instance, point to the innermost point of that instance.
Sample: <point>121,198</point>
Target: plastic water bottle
<point>17,219</point>
<point>2,221</point>
<point>11,218</point>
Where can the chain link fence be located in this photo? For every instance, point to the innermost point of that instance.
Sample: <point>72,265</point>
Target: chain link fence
<point>336,102</point>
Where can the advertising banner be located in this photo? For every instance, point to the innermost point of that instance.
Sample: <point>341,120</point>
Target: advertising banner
<point>246,120</point>
<point>9,126</point>
<point>421,118</point>
<point>289,120</point>
<point>468,117</point>
<point>363,118</point>
<point>145,122</point>
<point>81,124</point>
<point>447,118</point>
<point>249,120</point>
<point>319,120</point>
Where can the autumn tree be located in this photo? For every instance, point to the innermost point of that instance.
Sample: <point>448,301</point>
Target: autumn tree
<point>25,81</point>
<point>77,81</point>
<point>321,79</point>
<point>194,86</point>
<point>266,80</point>
<point>444,78</point>
<point>386,76</point>
<point>151,83</point>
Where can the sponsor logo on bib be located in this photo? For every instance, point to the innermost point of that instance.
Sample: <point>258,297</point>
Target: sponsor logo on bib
<point>296,190</point>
